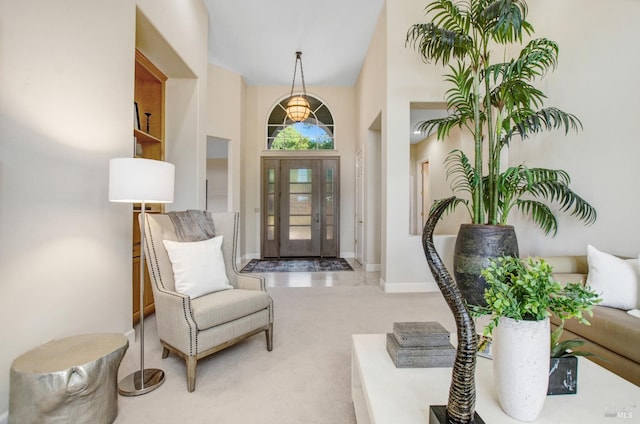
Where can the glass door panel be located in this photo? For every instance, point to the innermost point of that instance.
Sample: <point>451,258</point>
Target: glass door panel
<point>270,204</point>
<point>298,234</point>
<point>329,208</point>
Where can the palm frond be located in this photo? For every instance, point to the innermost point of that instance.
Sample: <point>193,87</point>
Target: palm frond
<point>551,118</point>
<point>437,44</point>
<point>451,206</point>
<point>442,125</point>
<point>510,179</point>
<point>461,175</point>
<point>555,337</point>
<point>506,20</point>
<point>535,60</point>
<point>516,94</point>
<point>448,14</point>
<point>460,96</point>
<point>542,187</point>
<point>558,191</point>
<point>540,214</point>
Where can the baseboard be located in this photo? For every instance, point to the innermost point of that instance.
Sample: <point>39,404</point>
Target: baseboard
<point>247,257</point>
<point>409,287</point>
<point>372,267</point>
<point>4,417</point>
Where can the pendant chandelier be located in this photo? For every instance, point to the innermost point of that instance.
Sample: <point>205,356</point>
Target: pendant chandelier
<point>298,106</point>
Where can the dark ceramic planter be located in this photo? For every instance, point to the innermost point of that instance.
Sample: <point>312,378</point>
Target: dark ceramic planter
<point>563,376</point>
<point>475,246</point>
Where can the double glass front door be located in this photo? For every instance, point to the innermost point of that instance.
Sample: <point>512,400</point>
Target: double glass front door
<point>300,204</point>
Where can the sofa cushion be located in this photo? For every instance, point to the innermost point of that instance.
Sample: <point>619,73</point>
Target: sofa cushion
<point>568,269</point>
<point>228,305</point>
<point>565,278</point>
<point>614,279</point>
<point>568,264</point>
<point>611,328</point>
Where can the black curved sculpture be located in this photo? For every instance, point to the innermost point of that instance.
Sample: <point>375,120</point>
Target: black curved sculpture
<point>460,408</point>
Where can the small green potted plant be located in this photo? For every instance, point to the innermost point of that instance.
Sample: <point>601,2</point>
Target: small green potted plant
<point>520,297</point>
<point>524,290</point>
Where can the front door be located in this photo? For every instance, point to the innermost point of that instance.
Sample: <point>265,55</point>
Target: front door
<point>301,208</point>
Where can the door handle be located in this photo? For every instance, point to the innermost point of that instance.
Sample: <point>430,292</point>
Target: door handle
<point>317,217</point>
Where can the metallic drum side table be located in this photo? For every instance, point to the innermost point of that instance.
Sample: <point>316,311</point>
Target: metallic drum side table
<point>71,380</point>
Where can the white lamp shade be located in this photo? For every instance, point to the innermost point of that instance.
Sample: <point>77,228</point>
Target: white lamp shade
<point>136,180</point>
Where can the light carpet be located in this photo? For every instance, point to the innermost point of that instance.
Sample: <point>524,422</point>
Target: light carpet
<point>305,379</point>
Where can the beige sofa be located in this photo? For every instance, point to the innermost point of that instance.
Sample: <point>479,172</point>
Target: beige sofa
<point>613,334</point>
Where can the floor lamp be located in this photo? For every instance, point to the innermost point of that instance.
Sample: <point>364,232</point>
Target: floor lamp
<point>135,180</point>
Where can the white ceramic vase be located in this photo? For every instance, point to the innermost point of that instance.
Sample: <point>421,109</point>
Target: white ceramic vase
<point>521,366</point>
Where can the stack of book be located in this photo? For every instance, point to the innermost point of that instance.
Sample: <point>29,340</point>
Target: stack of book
<point>420,345</point>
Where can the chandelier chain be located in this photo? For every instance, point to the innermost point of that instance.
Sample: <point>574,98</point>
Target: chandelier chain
<point>295,70</point>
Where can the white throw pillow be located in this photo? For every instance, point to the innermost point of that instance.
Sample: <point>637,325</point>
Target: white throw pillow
<point>615,280</point>
<point>198,267</point>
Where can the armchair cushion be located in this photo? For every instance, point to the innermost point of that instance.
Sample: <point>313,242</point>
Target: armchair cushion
<point>198,267</point>
<point>225,306</point>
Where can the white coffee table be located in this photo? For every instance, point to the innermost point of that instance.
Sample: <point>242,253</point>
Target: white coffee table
<point>384,394</point>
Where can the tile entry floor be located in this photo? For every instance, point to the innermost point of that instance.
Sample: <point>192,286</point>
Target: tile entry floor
<point>357,277</point>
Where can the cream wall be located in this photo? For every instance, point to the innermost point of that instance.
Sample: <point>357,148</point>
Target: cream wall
<point>217,178</point>
<point>408,80</point>
<point>597,80</point>
<point>66,94</point>
<point>225,99</point>
<point>371,97</point>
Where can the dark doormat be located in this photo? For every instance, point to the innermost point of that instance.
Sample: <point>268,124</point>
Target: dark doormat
<point>297,265</point>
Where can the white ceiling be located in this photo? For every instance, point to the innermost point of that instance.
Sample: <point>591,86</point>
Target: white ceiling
<point>258,39</point>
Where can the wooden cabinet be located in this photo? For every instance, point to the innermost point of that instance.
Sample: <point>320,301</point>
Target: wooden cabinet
<point>149,102</point>
<point>148,132</point>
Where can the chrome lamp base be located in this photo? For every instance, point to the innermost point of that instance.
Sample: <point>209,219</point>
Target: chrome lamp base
<point>132,385</point>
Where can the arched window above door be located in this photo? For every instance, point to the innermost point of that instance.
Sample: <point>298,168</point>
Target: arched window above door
<point>314,133</point>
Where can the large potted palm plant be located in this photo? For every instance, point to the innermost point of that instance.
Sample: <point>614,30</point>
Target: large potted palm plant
<point>496,101</point>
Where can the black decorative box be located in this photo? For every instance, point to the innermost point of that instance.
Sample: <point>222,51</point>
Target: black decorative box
<point>563,376</point>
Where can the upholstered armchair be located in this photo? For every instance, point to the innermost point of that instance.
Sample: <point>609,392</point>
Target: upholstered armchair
<point>195,328</point>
